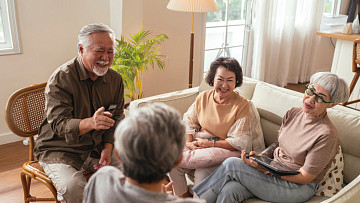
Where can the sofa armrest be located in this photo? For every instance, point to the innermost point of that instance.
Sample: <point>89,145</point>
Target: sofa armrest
<point>180,100</point>
<point>350,193</point>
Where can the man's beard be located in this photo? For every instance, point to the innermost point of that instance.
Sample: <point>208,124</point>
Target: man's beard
<point>99,70</point>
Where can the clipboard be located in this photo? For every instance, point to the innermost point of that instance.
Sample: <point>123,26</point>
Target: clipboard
<point>274,167</point>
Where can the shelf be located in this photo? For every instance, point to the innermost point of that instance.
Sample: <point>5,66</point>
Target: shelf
<point>339,35</point>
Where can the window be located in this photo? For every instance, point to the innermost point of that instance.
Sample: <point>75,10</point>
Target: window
<point>332,7</point>
<point>225,31</point>
<point>332,20</point>
<point>9,43</point>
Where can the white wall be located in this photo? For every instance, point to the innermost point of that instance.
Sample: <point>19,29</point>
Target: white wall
<point>153,15</point>
<point>177,25</point>
<point>324,55</point>
<point>48,38</point>
<point>132,16</point>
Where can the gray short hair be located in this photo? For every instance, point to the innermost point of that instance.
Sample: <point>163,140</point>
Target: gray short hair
<point>334,85</point>
<point>87,30</point>
<point>150,142</point>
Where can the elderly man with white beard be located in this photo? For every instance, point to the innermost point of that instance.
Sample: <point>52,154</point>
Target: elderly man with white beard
<point>84,103</point>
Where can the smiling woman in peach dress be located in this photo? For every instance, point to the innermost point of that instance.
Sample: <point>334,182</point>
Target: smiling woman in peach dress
<point>220,123</point>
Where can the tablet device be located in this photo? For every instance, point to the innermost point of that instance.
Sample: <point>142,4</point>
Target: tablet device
<point>274,167</point>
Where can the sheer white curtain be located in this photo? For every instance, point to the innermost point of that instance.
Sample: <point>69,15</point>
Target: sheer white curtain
<point>284,40</point>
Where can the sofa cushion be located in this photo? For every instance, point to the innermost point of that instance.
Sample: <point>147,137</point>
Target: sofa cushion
<point>349,193</point>
<point>275,99</point>
<point>180,100</point>
<point>333,179</point>
<point>247,88</point>
<point>204,86</point>
<point>312,200</point>
<point>272,102</point>
<point>347,122</point>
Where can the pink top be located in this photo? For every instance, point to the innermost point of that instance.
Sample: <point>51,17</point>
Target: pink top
<point>307,142</point>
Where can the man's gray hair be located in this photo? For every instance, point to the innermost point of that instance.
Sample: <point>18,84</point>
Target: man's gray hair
<point>334,85</point>
<point>87,30</point>
<point>150,142</point>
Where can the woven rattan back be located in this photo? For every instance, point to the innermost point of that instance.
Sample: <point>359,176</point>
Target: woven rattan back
<point>25,112</point>
<point>356,55</point>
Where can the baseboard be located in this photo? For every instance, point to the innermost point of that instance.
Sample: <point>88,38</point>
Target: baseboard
<point>6,138</point>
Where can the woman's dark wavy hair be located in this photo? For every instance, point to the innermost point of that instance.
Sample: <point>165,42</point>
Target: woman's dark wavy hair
<point>229,63</point>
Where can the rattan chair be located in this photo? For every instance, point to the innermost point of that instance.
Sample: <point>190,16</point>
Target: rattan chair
<point>24,114</point>
<point>355,69</point>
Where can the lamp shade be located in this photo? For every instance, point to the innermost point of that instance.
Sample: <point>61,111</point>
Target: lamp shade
<point>193,5</point>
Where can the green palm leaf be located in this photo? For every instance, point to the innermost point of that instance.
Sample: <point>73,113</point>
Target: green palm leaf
<point>133,55</point>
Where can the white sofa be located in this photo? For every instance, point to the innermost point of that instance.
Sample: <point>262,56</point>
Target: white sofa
<point>272,102</point>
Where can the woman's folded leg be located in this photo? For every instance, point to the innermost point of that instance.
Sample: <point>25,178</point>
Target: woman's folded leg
<point>263,186</point>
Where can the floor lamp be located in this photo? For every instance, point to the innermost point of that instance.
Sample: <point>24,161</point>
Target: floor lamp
<point>192,6</point>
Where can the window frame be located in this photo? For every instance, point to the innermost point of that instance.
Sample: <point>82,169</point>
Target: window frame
<point>335,7</point>
<point>8,18</point>
<point>225,47</point>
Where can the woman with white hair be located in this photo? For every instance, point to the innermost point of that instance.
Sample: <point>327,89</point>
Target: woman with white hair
<point>149,144</point>
<point>307,142</point>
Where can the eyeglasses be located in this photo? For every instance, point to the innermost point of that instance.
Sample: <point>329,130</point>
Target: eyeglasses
<point>311,91</point>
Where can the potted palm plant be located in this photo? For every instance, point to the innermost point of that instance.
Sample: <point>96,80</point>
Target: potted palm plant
<point>134,55</point>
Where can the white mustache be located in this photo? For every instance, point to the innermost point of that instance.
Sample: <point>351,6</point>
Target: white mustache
<point>102,63</point>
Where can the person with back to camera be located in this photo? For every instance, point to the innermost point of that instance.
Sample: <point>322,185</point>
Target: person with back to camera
<point>149,144</point>
<point>220,123</point>
<point>307,142</point>
<point>84,102</point>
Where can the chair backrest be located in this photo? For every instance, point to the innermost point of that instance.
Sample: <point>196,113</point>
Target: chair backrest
<point>25,111</point>
<point>356,55</point>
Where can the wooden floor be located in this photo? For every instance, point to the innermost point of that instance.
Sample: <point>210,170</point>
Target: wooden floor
<point>297,87</point>
<point>12,157</point>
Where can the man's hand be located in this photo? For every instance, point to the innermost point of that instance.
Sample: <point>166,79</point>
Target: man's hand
<point>105,158</point>
<point>101,120</point>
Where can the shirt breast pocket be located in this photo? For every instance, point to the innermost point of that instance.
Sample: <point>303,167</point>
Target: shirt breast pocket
<point>111,108</point>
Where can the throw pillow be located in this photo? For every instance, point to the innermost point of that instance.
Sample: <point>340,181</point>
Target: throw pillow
<point>333,179</point>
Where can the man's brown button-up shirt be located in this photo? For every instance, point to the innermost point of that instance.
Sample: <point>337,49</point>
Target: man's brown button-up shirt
<point>70,97</point>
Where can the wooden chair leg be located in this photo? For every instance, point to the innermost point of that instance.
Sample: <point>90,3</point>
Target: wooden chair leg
<point>52,189</point>
<point>26,187</point>
<point>352,86</point>
<point>28,181</point>
<point>352,102</point>
<point>354,81</point>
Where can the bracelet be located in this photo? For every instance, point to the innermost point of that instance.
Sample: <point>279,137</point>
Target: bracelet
<point>213,143</point>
